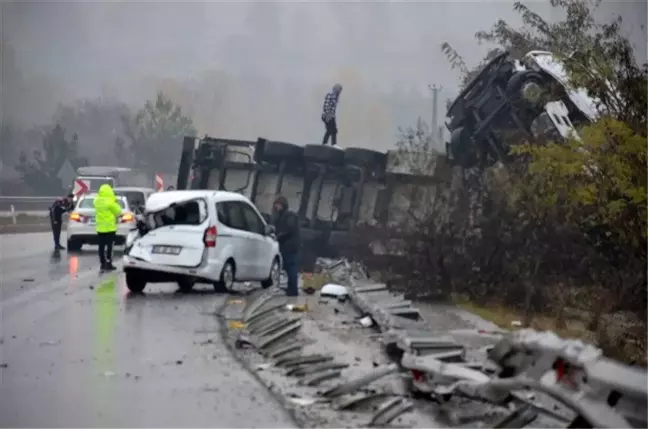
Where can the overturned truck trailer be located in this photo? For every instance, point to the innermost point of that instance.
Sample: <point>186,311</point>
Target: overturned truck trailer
<point>332,190</point>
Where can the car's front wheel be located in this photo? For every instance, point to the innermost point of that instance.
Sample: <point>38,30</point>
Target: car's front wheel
<point>274,276</point>
<point>226,281</point>
<point>135,282</point>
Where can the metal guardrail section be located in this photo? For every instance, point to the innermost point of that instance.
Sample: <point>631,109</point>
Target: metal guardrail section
<point>602,392</point>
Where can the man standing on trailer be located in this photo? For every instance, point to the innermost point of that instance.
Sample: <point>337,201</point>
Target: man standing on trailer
<point>328,114</point>
<point>286,224</point>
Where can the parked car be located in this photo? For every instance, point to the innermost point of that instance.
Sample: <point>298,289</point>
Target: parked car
<point>136,196</point>
<point>81,224</point>
<point>201,236</point>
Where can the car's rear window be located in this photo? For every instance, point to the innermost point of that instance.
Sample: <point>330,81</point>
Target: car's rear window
<point>135,198</point>
<point>192,212</point>
<point>88,203</point>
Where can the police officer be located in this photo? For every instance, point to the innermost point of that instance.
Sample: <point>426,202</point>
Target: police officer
<point>56,211</point>
<point>107,211</point>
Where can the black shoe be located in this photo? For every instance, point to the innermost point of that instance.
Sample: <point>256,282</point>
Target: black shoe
<point>110,267</point>
<point>59,247</point>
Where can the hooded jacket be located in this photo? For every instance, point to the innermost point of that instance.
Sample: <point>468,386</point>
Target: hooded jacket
<point>286,224</point>
<point>106,209</point>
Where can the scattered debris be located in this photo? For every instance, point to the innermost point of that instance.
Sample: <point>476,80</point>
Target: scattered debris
<point>236,324</point>
<point>263,366</point>
<point>334,291</point>
<point>178,362</point>
<point>91,287</point>
<point>4,365</point>
<point>301,401</point>
<point>28,280</point>
<point>366,322</point>
<point>516,323</point>
<point>243,342</point>
<point>50,343</point>
<point>109,374</point>
<point>297,308</point>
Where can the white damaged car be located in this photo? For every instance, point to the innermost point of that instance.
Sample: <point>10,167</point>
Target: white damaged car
<point>201,236</point>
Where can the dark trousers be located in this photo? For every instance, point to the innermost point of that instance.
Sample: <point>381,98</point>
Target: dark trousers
<point>331,131</point>
<point>106,240</point>
<point>56,232</point>
<point>291,266</point>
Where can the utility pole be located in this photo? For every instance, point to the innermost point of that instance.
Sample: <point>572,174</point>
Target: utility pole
<point>435,112</point>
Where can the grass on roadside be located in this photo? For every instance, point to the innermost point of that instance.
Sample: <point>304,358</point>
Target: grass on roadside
<point>505,317</point>
<point>628,349</point>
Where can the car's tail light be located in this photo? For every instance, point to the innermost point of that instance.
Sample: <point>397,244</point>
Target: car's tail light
<point>76,217</point>
<point>127,217</point>
<point>210,236</point>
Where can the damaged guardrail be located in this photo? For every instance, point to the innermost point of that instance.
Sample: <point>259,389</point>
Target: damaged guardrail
<point>600,392</point>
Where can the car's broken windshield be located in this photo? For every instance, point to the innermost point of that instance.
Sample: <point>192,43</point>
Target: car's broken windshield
<point>193,212</point>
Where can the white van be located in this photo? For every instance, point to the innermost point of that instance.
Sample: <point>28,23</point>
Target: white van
<point>201,236</point>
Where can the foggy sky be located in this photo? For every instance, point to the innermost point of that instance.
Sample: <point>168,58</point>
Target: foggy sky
<point>245,70</point>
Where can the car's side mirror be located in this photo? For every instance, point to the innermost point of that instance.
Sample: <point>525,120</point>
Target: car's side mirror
<point>269,230</point>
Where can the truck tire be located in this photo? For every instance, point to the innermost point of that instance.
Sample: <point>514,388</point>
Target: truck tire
<point>322,153</point>
<point>281,150</point>
<point>365,157</point>
<point>515,88</point>
<point>463,148</point>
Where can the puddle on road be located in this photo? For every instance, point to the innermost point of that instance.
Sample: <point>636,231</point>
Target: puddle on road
<point>105,310</point>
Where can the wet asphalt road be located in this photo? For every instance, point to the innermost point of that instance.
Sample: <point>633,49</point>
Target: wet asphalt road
<point>77,350</point>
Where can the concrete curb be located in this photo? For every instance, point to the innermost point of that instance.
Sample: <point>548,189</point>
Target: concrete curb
<point>232,311</point>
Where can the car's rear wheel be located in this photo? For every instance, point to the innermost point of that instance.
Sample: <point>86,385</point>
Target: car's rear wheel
<point>135,282</point>
<point>186,284</point>
<point>274,276</point>
<point>74,245</point>
<point>228,274</point>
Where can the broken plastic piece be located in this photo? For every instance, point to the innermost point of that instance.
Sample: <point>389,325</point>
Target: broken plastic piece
<point>334,290</point>
<point>519,418</point>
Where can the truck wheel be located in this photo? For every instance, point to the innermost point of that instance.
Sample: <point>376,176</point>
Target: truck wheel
<point>322,153</point>
<point>135,282</point>
<point>528,87</point>
<point>365,157</point>
<point>74,245</point>
<point>462,148</point>
<point>280,150</point>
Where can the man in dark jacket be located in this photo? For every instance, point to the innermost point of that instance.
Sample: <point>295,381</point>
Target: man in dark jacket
<point>56,211</point>
<point>286,224</point>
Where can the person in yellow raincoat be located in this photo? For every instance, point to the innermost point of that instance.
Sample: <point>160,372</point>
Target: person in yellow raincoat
<point>107,212</point>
